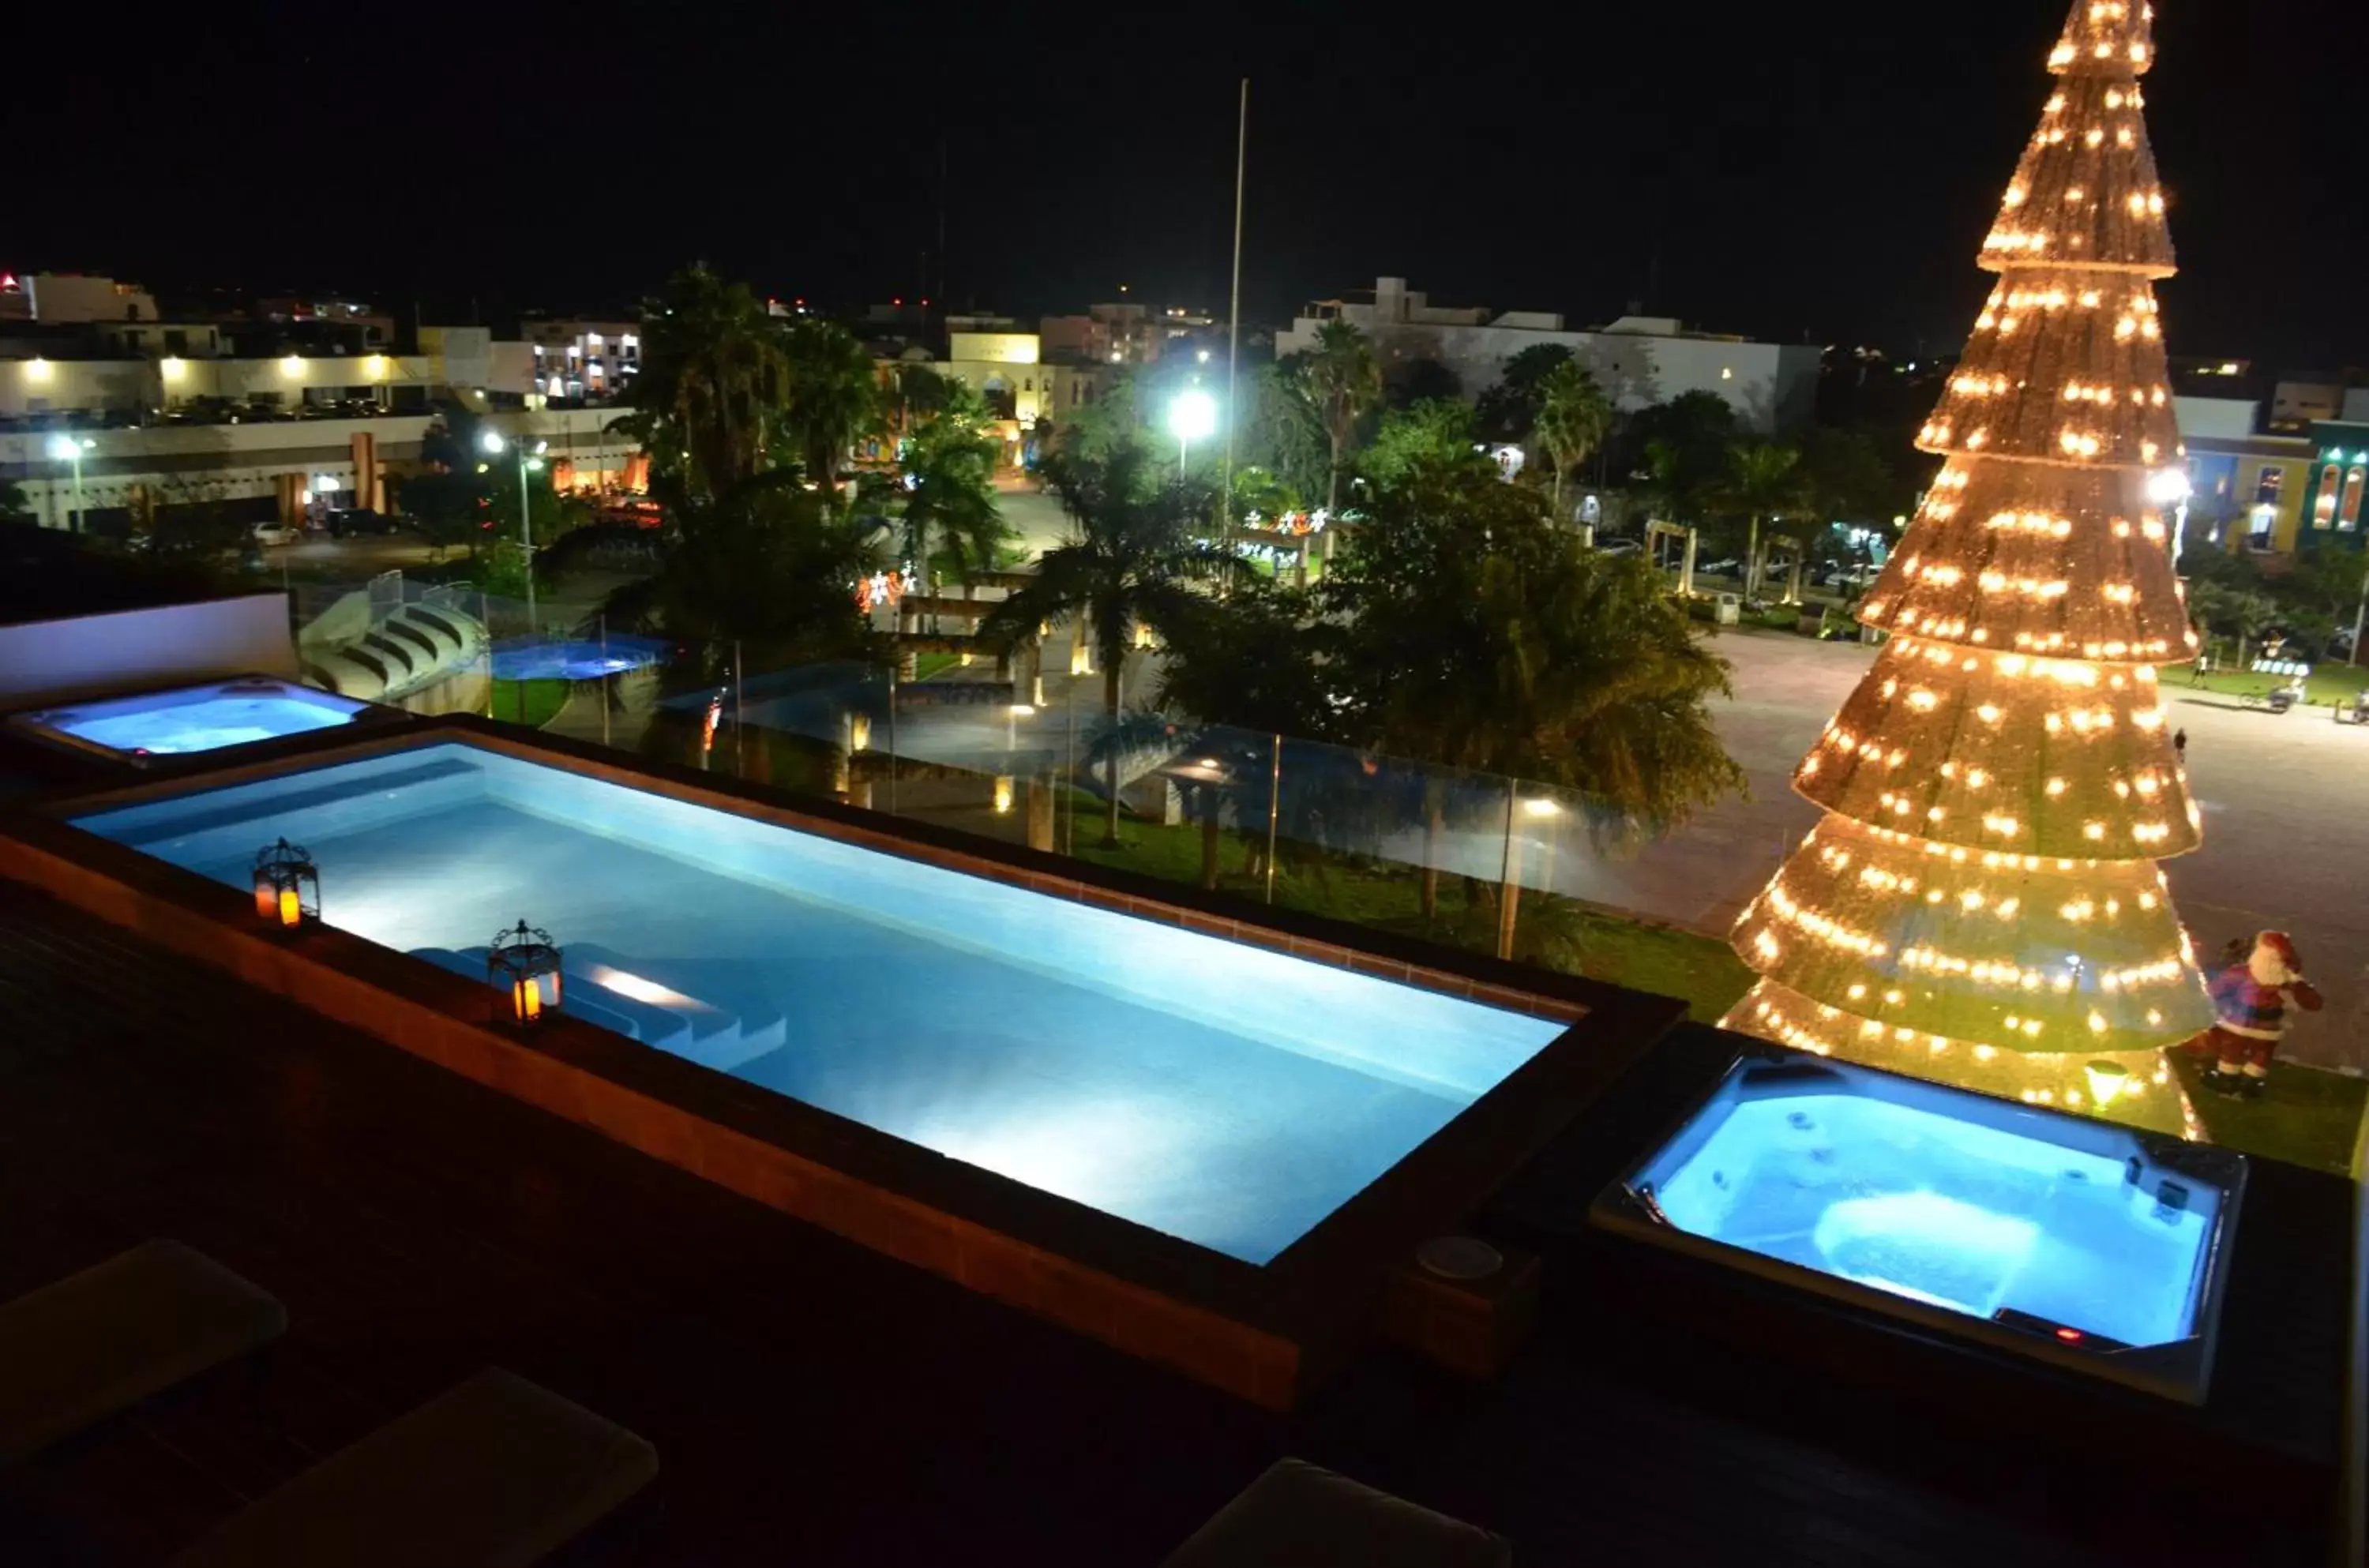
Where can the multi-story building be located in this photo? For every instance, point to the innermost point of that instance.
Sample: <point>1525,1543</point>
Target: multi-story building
<point>2246,485</point>
<point>1638,360</point>
<point>581,361</point>
<point>1121,334</point>
<point>110,409</point>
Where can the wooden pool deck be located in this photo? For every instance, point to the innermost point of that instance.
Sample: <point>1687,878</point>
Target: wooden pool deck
<point>817,1403</point>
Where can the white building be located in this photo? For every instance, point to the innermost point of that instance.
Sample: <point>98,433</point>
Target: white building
<point>1638,360</point>
<point>577,360</point>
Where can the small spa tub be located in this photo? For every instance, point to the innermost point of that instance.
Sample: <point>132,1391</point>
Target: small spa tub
<point>187,719</point>
<point>2075,1241</point>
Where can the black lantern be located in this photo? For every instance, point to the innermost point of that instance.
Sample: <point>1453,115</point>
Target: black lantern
<point>523,962</point>
<point>287,886</point>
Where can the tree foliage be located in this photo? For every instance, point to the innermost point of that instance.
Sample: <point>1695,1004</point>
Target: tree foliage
<point>1339,380</point>
<point>1427,435</point>
<point>714,381</point>
<point>1509,407</point>
<point>1573,416</point>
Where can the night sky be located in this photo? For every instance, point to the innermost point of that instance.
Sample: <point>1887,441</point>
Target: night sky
<point>1822,170</point>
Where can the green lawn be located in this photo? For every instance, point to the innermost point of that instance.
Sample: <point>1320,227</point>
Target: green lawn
<point>2306,1117</point>
<point>529,702</point>
<point>2326,685</point>
<point>927,664</point>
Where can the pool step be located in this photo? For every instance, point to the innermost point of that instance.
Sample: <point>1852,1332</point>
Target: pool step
<point>681,1025</point>
<point>634,1020</point>
<point>723,1036</point>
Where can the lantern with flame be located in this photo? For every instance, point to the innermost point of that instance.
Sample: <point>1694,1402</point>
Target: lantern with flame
<point>523,962</point>
<point>287,886</point>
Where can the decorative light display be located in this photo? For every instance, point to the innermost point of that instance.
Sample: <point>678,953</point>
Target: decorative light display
<point>1981,903</point>
<point>287,886</point>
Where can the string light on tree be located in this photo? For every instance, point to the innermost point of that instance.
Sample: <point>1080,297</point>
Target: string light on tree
<point>1982,902</point>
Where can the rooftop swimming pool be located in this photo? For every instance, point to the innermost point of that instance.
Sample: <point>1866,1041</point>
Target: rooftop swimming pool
<point>2044,1229</point>
<point>191,718</point>
<point>1222,1092</point>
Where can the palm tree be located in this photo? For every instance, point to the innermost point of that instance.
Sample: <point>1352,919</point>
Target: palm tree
<point>1137,555</point>
<point>834,396</point>
<point>950,513</point>
<point>1764,481</point>
<point>1573,415</point>
<point>712,385</point>
<point>1340,379</point>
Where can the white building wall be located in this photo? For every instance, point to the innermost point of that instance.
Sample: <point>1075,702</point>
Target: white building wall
<point>1770,385</point>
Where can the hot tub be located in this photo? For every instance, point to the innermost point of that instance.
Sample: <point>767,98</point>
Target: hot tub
<point>210,718</point>
<point>2080,1243</point>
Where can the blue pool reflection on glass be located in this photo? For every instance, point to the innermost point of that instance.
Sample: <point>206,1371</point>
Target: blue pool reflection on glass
<point>1219,1091</point>
<point>2052,1226</point>
<point>195,718</point>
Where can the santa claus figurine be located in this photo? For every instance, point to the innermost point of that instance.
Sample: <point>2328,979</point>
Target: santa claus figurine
<point>2252,994</point>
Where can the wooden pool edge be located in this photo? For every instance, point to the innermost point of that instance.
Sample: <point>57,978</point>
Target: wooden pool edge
<point>1263,1334</point>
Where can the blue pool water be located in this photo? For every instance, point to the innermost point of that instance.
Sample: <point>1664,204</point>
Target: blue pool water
<point>1940,1197</point>
<point>1224,1094</point>
<point>197,719</point>
<point>583,659</point>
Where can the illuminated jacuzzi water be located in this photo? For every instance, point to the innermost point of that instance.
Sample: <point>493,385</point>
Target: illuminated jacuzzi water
<point>2089,1237</point>
<point>1218,1092</point>
<point>194,718</point>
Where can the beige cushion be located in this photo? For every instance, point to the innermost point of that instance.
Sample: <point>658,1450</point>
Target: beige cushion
<point>494,1472</point>
<point>1297,1515</point>
<point>73,1353</point>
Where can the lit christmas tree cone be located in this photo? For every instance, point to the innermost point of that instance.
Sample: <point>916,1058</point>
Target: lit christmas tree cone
<point>1981,904</point>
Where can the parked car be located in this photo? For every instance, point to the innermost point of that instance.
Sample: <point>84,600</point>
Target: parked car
<point>1619,546</point>
<point>1725,566</point>
<point>275,533</point>
<point>347,522</point>
<point>1857,576</point>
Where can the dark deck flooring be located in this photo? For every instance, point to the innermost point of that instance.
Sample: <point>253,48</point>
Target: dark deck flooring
<point>810,1402</point>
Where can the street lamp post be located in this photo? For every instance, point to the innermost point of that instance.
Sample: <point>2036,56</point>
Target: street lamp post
<point>528,462</point>
<point>69,449</point>
<point>1192,417</point>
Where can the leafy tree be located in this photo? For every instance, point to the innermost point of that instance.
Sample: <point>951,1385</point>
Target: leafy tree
<point>1509,409</point>
<point>1137,555</point>
<point>1422,381</point>
<point>1695,431</point>
<point>1479,636</point>
<point>1845,479</point>
<point>714,383</point>
<point>1282,432</point>
<point>12,503</point>
<point>1340,379</point>
<point>1420,436</point>
<point>1573,416</point>
<point>834,396</point>
<point>769,564</point>
<point>1764,481</point>
<point>2324,586</point>
<point>2223,608</point>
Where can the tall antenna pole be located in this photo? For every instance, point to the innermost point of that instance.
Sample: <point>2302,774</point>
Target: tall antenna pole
<point>1234,309</point>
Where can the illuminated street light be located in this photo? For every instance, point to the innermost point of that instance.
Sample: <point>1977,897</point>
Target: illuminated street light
<point>2167,486</point>
<point>69,449</point>
<point>1192,417</point>
<point>528,462</point>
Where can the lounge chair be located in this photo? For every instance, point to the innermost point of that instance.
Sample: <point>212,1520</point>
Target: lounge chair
<point>1297,1516</point>
<point>493,1473</point>
<point>96,1343</point>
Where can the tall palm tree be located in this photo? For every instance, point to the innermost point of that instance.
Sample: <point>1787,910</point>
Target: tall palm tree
<point>1137,555</point>
<point>1764,481</point>
<point>950,513</point>
<point>834,396</point>
<point>1340,379</point>
<point>712,386</point>
<point>1573,415</point>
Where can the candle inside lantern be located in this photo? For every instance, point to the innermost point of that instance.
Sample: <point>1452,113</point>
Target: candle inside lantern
<point>292,911</point>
